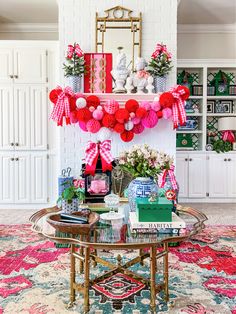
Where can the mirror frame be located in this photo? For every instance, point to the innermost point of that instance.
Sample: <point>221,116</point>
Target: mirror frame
<point>119,14</point>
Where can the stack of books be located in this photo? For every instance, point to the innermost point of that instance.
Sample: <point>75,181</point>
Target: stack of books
<point>176,226</point>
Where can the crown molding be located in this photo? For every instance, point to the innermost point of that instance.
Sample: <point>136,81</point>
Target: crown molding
<point>206,28</point>
<point>28,28</point>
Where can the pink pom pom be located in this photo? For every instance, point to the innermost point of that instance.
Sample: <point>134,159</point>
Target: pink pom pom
<point>91,109</point>
<point>98,114</point>
<point>136,120</point>
<point>132,115</point>
<point>167,113</point>
<point>111,106</point>
<point>156,106</point>
<point>146,105</point>
<point>138,128</point>
<point>150,120</point>
<point>93,126</point>
<point>82,125</point>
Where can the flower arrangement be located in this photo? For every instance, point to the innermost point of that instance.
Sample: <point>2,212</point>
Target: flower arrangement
<point>160,63</point>
<point>143,161</point>
<point>75,61</point>
<point>73,191</point>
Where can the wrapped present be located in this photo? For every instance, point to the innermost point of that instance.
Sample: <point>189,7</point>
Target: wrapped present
<point>98,77</point>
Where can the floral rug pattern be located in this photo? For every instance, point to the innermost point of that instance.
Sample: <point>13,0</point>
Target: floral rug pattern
<point>34,277</point>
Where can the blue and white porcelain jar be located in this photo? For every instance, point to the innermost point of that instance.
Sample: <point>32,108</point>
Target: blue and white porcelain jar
<point>140,187</point>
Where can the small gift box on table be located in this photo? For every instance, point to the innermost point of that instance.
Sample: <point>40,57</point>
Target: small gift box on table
<point>98,77</point>
<point>154,211</point>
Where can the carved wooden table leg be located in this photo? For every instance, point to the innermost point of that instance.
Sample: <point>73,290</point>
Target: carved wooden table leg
<point>95,250</point>
<point>153,278</point>
<point>81,263</point>
<point>86,279</point>
<point>166,272</point>
<point>140,254</point>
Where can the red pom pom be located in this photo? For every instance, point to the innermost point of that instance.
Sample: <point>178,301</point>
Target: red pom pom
<point>93,126</point>
<point>119,128</point>
<point>122,115</point>
<point>166,100</point>
<point>84,114</point>
<point>131,105</point>
<point>73,116</point>
<point>138,128</point>
<point>159,114</point>
<point>186,94</point>
<point>109,120</point>
<point>141,112</point>
<point>72,102</point>
<point>54,95</point>
<point>127,136</point>
<point>93,101</point>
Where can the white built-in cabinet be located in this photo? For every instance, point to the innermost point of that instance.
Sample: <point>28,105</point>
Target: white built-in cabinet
<point>24,140</point>
<point>206,176</point>
<point>191,175</point>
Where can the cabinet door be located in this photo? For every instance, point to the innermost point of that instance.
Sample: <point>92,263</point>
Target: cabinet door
<point>39,180</point>
<point>218,176</point>
<point>6,65</point>
<point>6,118</point>
<point>22,178</point>
<point>231,175</point>
<point>7,162</point>
<point>39,118</point>
<point>182,174</point>
<point>197,175</point>
<point>21,117</point>
<point>30,65</point>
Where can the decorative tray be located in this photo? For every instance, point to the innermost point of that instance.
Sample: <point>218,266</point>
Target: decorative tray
<point>83,229</point>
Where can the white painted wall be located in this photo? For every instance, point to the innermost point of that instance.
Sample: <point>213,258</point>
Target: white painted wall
<point>206,45</point>
<point>77,23</point>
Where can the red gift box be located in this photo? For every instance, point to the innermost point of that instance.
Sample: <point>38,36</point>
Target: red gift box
<point>98,77</point>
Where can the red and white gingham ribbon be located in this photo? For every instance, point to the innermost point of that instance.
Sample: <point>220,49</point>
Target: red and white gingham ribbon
<point>162,178</point>
<point>178,111</point>
<point>70,51</point>
<point>78,50</point>
<point>62,106</point>
<point>91,152</point>
<point>228,136</point>
<point>105,151</point>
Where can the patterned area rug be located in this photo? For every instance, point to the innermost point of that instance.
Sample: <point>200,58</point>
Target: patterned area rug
<point>34,277</point>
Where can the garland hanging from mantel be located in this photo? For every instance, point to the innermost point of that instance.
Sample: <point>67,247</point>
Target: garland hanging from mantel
<point>128,120</point>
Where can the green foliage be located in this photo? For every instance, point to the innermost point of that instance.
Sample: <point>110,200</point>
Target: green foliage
<point>72,192</point>
<point>74,66</point>
<point>221,146</point>
<point>160,66</point>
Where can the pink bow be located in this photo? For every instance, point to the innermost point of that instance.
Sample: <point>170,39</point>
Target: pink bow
<point>70,51</point>
<point>162,178</point>
<point>62,106</point>
<point>78,50</point>
<point>228,136</point>
<point>178,110</point>
<point>142,74</point>
<point>92,152</point>
<point>161,49</point>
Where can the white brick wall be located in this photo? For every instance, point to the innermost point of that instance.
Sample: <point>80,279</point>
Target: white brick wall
<point>77,23</point>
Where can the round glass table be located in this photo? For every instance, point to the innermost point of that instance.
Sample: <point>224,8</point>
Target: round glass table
<point>86,248</point>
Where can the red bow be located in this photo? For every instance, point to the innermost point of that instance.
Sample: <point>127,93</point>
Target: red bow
<point>162,178</point>
<point>228,136</point>
<point>70,51</point>
<point>62,106</point>
<point>178,110</point>
<point>92,152</point>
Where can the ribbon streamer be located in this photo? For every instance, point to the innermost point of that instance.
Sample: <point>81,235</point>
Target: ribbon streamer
<point>228,136</point>
<point>92,153</point>
<point>162,178</point>
<point>178,110</point>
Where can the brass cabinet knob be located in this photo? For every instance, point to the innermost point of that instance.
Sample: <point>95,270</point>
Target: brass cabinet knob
<point>16,76</point>
<point>12,144</point>
<point>17,144</point>
<point>225,159</point>
<point>186,159</point>
<point>16,159</point>
<point>190,159</point>
<point>12,159</point>
<point>229,159</point>
<point>11,76</point>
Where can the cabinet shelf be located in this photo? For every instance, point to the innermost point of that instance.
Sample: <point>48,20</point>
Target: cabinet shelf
<point>195,97</point>
<point>188,114</point>
<point>221,97</point>
<point>189,131</point>
<point>221,114</point>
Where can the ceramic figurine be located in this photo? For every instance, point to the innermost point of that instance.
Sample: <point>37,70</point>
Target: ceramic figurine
<point>150,87</point>
<point>195,108</point>
<point>129,85</point>
<point>120,73</point>
<point>140,77</point>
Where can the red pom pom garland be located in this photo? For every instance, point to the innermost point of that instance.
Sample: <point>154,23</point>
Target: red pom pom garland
<point>127,136</point>
<point>84,114</point>
<point>131,105</point>
<point>109,120</point>
<point>122,115</point>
